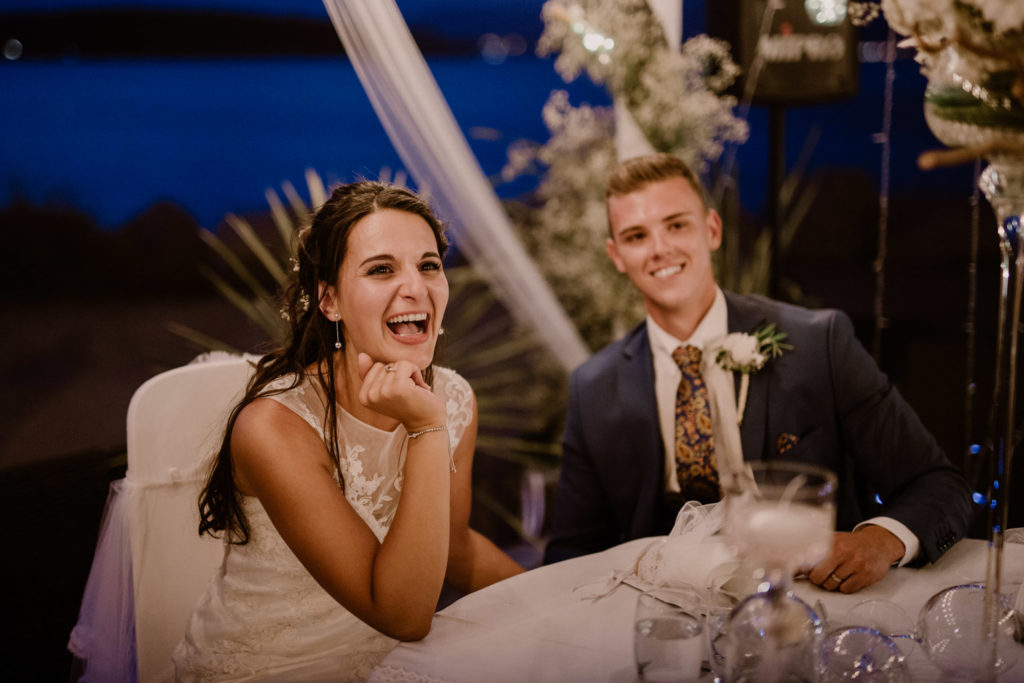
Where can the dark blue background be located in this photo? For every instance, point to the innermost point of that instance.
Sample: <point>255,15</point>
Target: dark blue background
<point>111,136</point>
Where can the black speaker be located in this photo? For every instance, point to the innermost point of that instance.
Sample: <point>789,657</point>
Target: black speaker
<point>804,61</point>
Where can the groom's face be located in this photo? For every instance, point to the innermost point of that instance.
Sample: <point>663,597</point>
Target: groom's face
<point>662,239</point>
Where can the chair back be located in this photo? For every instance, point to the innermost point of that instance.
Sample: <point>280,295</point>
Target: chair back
<point>175,423</point>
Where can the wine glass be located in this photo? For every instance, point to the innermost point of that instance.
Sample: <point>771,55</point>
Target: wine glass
<point>953,635</point>
<point>886,617</point>
<point>781,516</point>
<point>861,653</point>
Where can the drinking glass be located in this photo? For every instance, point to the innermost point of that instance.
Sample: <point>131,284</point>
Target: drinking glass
<point>886,617</point>
<point>667,639</point>
<point>952,633</point>
<point>780,515</point>
<point>861,653</point>
<point>772,637</point>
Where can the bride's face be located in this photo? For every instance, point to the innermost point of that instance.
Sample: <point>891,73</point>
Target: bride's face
<point>391,291</point>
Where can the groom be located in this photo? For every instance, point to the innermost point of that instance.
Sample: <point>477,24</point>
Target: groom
<point>652,415</point>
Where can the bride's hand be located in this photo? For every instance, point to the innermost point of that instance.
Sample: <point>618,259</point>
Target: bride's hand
<point>397,389</point>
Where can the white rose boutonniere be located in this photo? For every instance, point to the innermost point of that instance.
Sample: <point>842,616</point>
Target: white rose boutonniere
<point>747,353</point>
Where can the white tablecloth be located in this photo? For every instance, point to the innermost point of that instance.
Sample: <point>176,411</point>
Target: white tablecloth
<point>536,627</point>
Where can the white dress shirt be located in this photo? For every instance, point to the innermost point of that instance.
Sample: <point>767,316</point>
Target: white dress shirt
<point>713,327</point>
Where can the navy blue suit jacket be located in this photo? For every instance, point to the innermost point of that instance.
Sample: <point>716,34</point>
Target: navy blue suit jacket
<point>826,390</point>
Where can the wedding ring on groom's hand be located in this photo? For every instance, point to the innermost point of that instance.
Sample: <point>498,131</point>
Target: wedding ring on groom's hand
<point>390,367</point>
<point>833,577</point>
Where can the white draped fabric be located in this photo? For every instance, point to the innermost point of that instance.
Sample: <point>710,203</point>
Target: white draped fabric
<point>630,141</point>
<point>104,637</point>
<point>425,134</point>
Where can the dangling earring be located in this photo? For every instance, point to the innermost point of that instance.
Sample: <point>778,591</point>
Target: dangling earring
<point>337,334</point>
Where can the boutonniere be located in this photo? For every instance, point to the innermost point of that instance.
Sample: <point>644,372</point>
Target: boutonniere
<point>747,353</point>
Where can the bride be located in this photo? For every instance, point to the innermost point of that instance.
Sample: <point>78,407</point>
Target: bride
<point>342,486</point>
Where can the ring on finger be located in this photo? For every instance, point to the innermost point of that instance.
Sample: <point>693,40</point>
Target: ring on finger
<point>835,578</point>
<point>390,367</point>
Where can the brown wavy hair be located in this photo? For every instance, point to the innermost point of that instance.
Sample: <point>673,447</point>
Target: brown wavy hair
<point>637,173</point>
<point>309,348</point>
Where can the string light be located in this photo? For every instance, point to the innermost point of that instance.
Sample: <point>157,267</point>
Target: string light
<point>826,12</point>
<point>592,39</point>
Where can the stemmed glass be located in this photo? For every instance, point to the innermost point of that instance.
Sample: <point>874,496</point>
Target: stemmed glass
<point>781,516</point>
<point>951,626</point>
<point>871,642</point>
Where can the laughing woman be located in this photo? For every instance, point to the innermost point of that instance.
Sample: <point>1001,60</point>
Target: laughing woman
<point>343,482</point>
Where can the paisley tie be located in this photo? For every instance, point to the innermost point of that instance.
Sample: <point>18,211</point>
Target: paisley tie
<point>695,444</point>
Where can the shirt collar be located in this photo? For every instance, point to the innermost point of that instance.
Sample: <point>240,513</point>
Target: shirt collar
<point>713,325</point>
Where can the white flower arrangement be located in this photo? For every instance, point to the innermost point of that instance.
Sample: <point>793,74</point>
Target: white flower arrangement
<point>988,33</point>
<point>675,95</point>
<point>746,354</point>
<point>981,22</point>
<point>972,52</point>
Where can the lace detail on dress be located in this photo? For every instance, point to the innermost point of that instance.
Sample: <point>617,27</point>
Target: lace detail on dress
<point>458,402</point>
<point>302,400</point>
<point>359,490</point>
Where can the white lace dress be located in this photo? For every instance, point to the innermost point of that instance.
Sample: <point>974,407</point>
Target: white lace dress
<point>264,617</point>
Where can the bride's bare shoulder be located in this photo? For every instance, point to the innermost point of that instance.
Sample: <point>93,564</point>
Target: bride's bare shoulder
<point>268,435</point>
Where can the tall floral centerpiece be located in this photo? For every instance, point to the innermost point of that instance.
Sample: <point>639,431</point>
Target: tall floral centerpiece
<point>972,53</point>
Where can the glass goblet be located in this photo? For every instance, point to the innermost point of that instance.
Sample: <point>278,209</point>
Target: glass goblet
<point>861,653</point>
<point>772,637</point>
<point>886,617</point>
<point>780,515</point>
<point>952,633</point>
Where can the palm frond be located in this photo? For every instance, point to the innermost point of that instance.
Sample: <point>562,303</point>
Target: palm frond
<point>248,235</point>
<point>282,220</point>
<point>235,263</point>
<point>200,340</point>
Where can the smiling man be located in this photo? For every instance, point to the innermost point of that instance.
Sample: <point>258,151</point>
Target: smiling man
<point>653,416</point>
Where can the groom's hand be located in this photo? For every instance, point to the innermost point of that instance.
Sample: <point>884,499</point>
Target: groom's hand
<point>858,559</point>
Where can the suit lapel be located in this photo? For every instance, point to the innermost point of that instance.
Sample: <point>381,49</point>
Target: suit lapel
<point>640,411</point>
<point>745,316</point>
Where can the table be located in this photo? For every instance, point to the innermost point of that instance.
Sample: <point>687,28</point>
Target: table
<point>539,626</point>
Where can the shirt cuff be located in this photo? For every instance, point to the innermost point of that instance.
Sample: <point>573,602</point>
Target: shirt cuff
<point>900,531</point>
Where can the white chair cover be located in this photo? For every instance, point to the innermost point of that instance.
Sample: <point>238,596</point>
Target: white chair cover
<point>150,564</point>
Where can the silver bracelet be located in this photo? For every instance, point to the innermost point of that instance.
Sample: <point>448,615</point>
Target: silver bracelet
<point>413,435</point>
<point>451,458</point>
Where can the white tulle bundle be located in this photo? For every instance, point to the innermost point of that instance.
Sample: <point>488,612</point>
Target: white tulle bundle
<point>691,555</point>
<point>686,567</point>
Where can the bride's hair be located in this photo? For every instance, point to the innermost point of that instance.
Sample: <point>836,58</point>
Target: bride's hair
<point>310,346</point>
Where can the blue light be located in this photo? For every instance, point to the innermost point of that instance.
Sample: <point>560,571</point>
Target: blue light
<point>993,504</point>
<point>978,498</point>
<point>975,448</point>
<point>995,484</point>
<point>878,499</point>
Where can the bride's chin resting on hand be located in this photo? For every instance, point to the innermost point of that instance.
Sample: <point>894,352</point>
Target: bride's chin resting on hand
<point>344,479</point>
<point>392,585</point>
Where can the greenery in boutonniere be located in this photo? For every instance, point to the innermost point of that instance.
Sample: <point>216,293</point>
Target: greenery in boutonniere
<point>747,353</point>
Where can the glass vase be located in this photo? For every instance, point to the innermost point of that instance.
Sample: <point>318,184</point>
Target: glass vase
<point>969,102</point>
